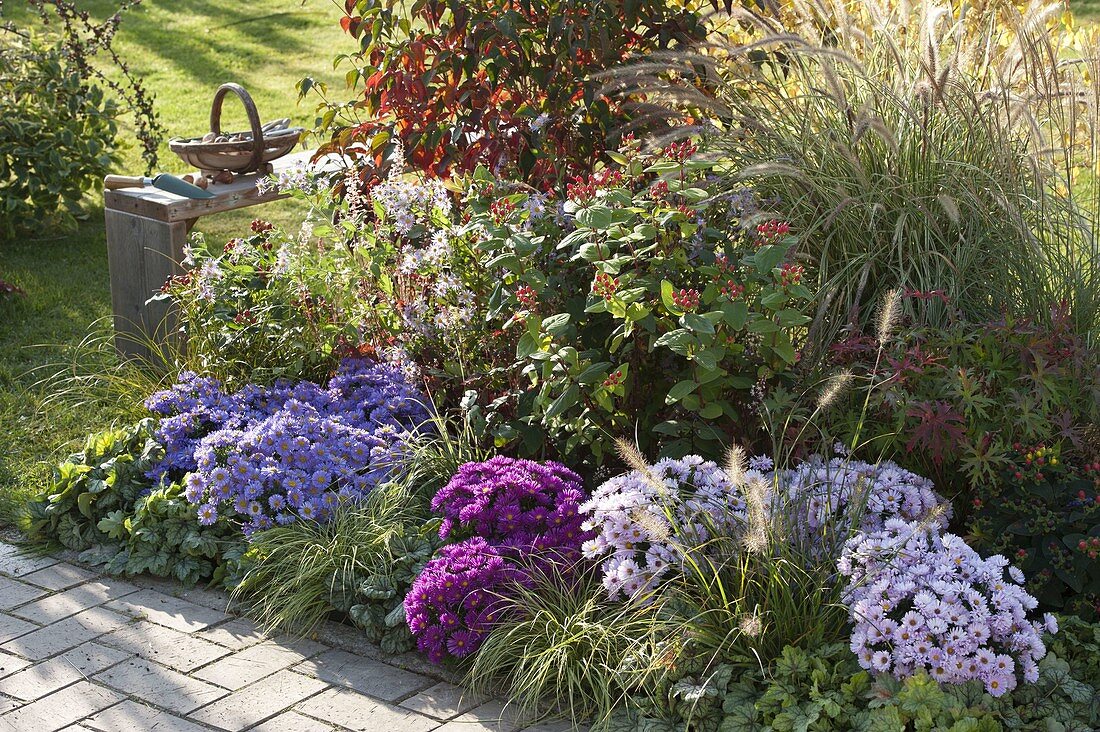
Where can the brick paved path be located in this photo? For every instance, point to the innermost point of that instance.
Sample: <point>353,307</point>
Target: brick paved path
<point>80,651</point>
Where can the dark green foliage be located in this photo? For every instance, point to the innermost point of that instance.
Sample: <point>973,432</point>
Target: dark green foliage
<point>57,137</point>
<point>956,400</point>
<point>102,504</point>
<point>1046,518</point>
<point>824,690</point>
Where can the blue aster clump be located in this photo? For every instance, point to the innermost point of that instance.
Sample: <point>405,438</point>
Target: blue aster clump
<point>272,455</point>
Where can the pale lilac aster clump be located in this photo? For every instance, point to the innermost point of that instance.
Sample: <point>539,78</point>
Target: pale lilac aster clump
<point>631,517</point>
<point>821,498</point>
<point>922,600</point>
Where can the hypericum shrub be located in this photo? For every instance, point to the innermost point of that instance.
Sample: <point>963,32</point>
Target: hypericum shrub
<point>516,503</point>
<point>516,88</point>
<point>954,401</point>
<point>645,305</point>
<point>920,600</point>
<point>102,503</point>
<point>273,455</point>
<point>1044,514</point>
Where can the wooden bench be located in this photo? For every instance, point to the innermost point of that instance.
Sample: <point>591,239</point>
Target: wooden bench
<point>146,231</point>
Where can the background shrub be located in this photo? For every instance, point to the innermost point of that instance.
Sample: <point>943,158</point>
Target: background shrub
<point>59,114</point>
<point>511,86</point>
<point>1043,512</point>
<point>57,136</point>
<point>952,402</point>
<point>664,311</point>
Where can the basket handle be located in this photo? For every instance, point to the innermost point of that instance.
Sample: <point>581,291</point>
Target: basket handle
<point>253,119</point>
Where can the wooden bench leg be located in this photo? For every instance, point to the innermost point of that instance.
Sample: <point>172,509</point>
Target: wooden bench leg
<point>142,253</point>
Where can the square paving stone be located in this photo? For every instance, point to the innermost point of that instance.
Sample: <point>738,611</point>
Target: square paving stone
<point>14,627</point>
<point>69,633</point>
<point>15,561</point>
<point>129,716</point>
<point>236,635</point>
<point>373,678</point>
<point>443,701</point>
<point>165,646</point>
<point>60,709</point>
<point>160,685</point>
<point>162,609</point>
<point>60,671</point>
<point>252,664</point>
<point>292,722</point>
<point>52,608</point>
<point>14,593</point>
<point>350,709</point>
<point>492,716</point>
<point>255,703</point>
<point>59,576</point>
<point>10,664</point>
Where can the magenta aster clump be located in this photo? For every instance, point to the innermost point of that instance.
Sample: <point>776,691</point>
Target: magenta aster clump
<point>517,503</point>
<point>919,599</point>
<point>455,600</point>
<point>525,519</point>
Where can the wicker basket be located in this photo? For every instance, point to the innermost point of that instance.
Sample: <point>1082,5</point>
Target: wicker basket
<point>250,152</point>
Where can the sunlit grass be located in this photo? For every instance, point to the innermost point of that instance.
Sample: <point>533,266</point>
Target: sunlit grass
<point>183,49</point>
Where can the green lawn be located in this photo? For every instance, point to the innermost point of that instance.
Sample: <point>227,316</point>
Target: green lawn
<point>183,49</point>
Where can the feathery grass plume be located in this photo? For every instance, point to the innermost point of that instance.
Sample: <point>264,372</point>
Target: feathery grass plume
<point>751,625</point>
<point>838,383</point>
<point>734,465</point>
<point>634,460</point>
<point>757,536</point>
<point>655,529</point>
<point>889,313</point>
<point>923,146</point>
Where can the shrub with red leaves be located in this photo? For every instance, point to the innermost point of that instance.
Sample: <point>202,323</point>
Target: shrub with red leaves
<point>513,85</point>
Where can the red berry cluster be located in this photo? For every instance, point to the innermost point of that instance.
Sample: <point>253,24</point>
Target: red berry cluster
<point>245,317</point>
<point>614,378</point>
<point>791,274</point>
<point>500,210</point>
<point>527,297</point>
<point>770,231</point>
<point>582,190</point>
<point>180,280</point>
<point>259,226</point>
<point>680,151</point>
<point>1090,546</point>
<point>659,190</point>
<point>731,289</point>
<point>605,286</point>
<point>686,300</point>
